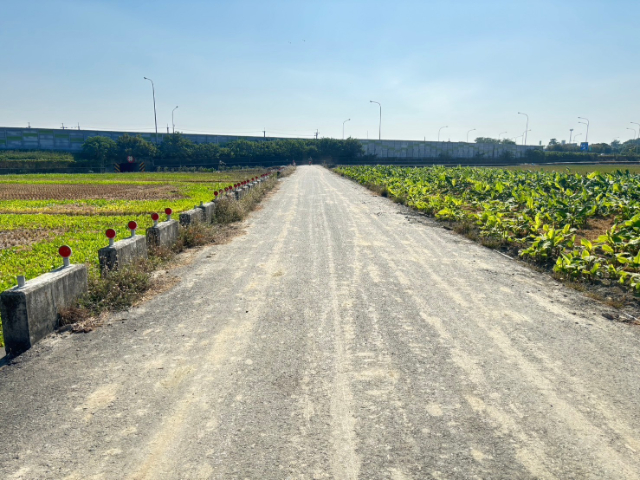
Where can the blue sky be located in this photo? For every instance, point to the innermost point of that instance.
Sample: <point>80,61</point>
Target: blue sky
<point>239,67</point>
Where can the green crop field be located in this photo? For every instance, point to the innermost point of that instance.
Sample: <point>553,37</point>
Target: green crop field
<point>39,213</point>
<point>586,225</point>
<point>583,169</point>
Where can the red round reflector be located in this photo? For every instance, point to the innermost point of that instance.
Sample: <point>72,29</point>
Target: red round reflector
<point>132,225</point>
<point>110,233</point>
<point>216,193</point>
<point>155,216</point>
<point>65,251</point>
<point>168,211</point>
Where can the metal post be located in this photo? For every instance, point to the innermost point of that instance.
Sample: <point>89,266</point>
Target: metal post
<point>155,116</point>
<point>524,139</point>
<point>347,120</point>
<point>586,137</point>
<point>447,126</point>
<point>473,129</point>
<point>633,130</point>
<point>380,124</point>
<point>635,123</point>
<point>173,125</point>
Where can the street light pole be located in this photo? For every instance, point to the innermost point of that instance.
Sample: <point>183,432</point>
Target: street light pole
<point>586,137</point>
<point>576,137</point>
<point>570,135</point>
<point>635,123</point>
<point>500,134</point>
<point>155,117</point>
<point>347,120</point>
<point>173,125</point>
<point>633,130</point>
<point>524,140</point>
<point>380,126</point>
<point>473,129</point>
<point>441,129</point>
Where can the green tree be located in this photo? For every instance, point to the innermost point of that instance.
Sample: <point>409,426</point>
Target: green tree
<point>204,152</point>
<point>600,148</point>
<point>136,146</point>
<point>100,149</point>
<point>504,141</point>
<point>177,146</point>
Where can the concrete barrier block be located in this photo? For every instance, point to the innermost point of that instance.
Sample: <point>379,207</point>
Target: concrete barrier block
<point>190,217</point>
<point>122,253</point>
<point>30,313</point>
<point>165,234</point>
<point>208,210</point>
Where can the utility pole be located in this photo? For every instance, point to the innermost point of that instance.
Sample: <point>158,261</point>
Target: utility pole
<point>264,133</point>
<point>78,125</point>
<point>63,126</point>
<point>316,134</point>
<point>167,128</point>
<point>570,135</point>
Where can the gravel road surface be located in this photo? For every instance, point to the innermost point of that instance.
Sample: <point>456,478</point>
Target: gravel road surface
<point>341,337</point>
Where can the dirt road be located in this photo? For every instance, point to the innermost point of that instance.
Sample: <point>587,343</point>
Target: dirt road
<point>339,338</point>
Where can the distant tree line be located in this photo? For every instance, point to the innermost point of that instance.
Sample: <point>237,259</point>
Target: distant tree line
<point>628,148</point>
<point>495,141</point>
<point>178,148</point>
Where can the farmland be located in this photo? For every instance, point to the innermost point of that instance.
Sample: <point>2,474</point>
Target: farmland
<point>579,168</point>
<point>585,227</point>
<point>38,213</point>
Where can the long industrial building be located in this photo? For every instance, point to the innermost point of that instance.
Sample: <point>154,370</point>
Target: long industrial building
<point>68,140</point>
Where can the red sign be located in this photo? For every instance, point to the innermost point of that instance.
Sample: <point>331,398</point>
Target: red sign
<point>130,159</point>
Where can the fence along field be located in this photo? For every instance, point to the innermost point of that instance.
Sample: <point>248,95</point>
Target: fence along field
<point>586,226</point>
<point>39,213</point>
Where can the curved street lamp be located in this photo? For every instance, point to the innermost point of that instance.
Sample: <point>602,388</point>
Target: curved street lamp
<point>447,126</point>
<point>472,130</point>
<point>380,125</point>
<point>524,140</point>
<point>634,132</point>
<point>155,117</point>
<point>586,137</point>
<point>347,120</point>
<point>635,123</point>
<point>575,139</point>
<point>173,124</point>
<point>500,134</point>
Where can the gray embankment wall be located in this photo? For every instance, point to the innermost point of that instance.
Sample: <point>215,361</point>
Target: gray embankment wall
<point>122,253</point>
<point>30,312</point>
<point>195,215</point>
<point>165,234</point>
